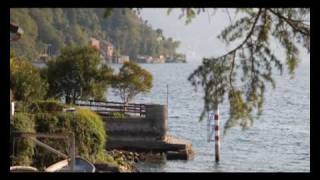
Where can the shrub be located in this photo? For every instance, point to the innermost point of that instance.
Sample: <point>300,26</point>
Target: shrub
<point>46,106</point>
<point>22,148</point>
<point>117,115</point>
<point>88,127</point>
<point>21,106</point>
<point>25,81</point>
<point>92,135</point>
<point>48,123</point>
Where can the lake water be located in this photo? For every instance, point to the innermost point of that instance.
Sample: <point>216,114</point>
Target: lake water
<point>279,141</point>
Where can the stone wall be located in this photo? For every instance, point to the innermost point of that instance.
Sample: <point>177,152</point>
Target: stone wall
<point>153,126</point>
<point>148,134</point>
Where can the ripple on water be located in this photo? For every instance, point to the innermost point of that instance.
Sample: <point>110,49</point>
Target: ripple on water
<point>279,140</point>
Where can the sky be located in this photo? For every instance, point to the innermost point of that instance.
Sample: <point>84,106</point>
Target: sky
<point>199,38</point>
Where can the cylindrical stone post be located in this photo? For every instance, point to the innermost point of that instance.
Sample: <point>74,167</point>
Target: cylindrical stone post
<point>217,134</point>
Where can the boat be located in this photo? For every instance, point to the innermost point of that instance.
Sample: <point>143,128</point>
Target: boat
<point>23,169</point>
<point>81,165</point>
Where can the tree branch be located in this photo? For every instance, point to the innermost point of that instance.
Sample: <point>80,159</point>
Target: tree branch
<point>229,15</point>
<point>292,23</point>
<point>232,67</point>
<point>248,35</point>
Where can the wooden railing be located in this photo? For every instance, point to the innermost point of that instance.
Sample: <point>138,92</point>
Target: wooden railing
<point>69,137</point>
<point>109,108</point>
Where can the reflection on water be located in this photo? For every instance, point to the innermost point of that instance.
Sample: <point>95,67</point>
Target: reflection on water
<point>278,141</point>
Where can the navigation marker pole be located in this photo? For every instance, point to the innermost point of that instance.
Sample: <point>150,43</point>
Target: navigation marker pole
<point>217,134</point>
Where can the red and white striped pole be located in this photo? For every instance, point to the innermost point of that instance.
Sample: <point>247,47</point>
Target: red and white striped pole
<point>217,134</point>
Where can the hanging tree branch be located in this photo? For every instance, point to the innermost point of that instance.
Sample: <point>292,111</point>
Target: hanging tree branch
<point>247,37</point>
<point>215,74</point>
<point>231,71</point>
<point>292,23</point>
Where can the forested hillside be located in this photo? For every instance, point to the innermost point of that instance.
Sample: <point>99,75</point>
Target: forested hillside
<point>57,27</point>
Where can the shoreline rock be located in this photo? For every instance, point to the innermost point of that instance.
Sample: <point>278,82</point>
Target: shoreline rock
<point>126,161</point>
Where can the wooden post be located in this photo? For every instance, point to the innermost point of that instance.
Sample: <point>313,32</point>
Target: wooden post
<point>217,134</point>
<point>49,148</point>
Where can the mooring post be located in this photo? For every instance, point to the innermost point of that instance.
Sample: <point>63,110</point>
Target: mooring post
<point>217,134</point>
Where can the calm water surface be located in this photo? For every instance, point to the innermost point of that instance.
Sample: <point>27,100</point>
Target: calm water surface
<point>279,140</point>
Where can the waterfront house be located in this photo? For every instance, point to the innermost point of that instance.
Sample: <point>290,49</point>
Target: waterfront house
<point>141,59</point>
<point>122,59</point>
<point>107,50</point>
<point>95,43</point>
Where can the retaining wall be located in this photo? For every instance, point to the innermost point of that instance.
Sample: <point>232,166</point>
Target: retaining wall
<point>152,126</point>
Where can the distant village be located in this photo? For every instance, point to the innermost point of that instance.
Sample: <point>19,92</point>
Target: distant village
<point>108,55</point>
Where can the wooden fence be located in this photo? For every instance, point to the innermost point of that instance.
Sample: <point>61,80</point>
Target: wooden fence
<point>110,109</point>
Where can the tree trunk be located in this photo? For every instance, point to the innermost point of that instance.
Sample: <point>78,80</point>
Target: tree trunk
<point>68,100</point>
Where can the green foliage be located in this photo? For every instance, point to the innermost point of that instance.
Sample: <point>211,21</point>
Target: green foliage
<point>131,80</point>
<point>89,130</point>
<point>22,106</point>
<point>39,106</point>
<point>26,46</point>
<point>103,157</point>
<point>21,148</point>
<point>46,106</point>
<point>188,13</point>
<point>252,61</point>
<point>25,81</point>
<point>213,81</point>
<point>74,26</point>
<point>117,115</point>
<point>77,73</point>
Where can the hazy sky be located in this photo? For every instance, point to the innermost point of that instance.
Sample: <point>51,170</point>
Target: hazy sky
<point>199,38</point>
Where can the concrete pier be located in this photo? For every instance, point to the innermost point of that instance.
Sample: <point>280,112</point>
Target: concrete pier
<point>147,134</point>
<point>173,147</point>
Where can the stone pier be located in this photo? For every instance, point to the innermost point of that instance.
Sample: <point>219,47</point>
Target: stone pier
<point>147,134</point>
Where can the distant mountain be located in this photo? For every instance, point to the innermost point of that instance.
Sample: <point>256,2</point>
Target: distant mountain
<point>58,27</point>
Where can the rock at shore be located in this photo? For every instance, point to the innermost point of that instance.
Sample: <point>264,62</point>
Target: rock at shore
<point>173,147</point>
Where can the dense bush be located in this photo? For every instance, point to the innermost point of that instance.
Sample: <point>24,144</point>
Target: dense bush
<point>21,106</point>
<point>40,106</point>
<point>46,106</point>
<point>88,127</point>
<point>26,83</point>
<point>91,131</point>
<point>22,149</point>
